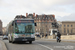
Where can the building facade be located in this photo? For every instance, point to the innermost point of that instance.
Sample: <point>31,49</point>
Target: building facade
<point>68,27</point>
<point>0,27</point>
<point>4,30</point>
<point>60,26</point>
<point>44,23</point>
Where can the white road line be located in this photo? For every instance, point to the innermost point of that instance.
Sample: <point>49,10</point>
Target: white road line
<point>45,46</point>
<point>0,46</point>
<point>61,44</point>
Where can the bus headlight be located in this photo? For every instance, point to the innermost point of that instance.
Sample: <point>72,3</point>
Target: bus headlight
<point>32,35</point>
<point>15,36</point>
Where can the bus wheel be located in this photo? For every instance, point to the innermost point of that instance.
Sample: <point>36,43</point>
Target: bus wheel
<point>9,41</point>
<point>30,42</point>
<point>13,41</point>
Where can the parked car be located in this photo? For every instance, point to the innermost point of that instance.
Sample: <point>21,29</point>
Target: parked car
<point>5,37</point>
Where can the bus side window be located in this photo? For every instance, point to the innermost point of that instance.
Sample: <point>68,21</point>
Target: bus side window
<point>12,31</point>
<point>13,23</point>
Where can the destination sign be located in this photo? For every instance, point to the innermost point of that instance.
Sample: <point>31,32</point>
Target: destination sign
<point>24,21</point>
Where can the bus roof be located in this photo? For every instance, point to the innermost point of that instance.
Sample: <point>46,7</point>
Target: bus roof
<point>24,19</point>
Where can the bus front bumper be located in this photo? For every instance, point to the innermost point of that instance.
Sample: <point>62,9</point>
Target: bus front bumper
<point>24,39</point>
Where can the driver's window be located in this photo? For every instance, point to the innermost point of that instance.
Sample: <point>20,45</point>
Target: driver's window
<point>28,28</point>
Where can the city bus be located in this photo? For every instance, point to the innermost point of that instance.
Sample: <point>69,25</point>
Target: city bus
<point>21,29</point>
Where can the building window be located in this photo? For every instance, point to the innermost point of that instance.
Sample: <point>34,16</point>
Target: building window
<point>64,25</point>
<point>64,30</point>
<point>71,25</point>
<point>67,30</point>
<point>67,25</point>
<point>71,30</point>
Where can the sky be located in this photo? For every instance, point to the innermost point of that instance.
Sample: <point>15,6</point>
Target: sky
<point>64,10</point>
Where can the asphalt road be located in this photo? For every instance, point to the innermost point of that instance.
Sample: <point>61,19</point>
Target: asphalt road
<point>40,45</point>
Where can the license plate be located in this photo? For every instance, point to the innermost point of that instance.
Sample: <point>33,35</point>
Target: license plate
<point>23,35</point>
<point>24,39</point>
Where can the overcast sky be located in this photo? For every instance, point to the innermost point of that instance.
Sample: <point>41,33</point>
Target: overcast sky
<point>64,10</point>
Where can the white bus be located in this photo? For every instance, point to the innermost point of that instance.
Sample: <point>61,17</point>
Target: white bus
<point>21,29</point>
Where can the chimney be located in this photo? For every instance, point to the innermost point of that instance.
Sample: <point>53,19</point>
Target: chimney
<point>33,14</point>
<point>26,14</point>
<point>36,15</point>
<point>53,16</point>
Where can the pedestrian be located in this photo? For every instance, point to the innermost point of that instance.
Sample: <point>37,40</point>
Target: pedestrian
<point>58,37</point>
<point>45,35</point>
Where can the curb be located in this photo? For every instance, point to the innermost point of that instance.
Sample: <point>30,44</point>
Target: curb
<point>55,40</point>
<point>3,45</point>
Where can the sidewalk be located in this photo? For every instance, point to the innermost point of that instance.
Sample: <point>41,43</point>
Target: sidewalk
<point>63,40</point>
<point>2,46</point>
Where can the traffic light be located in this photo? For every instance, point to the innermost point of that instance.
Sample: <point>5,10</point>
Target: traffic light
<point>55,25</point>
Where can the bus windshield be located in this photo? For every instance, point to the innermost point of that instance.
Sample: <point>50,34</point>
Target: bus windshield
<point>24,28</point>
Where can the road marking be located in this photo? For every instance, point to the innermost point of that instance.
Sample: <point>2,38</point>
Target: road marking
<point>61,44</point>
<point>0,46</point>
<point>45,46</point>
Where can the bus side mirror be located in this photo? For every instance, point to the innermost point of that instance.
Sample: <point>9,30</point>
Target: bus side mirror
<point>35,24</point>
<point>12,24</point>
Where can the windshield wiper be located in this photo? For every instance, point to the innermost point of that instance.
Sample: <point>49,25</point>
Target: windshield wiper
<point>29,32</point>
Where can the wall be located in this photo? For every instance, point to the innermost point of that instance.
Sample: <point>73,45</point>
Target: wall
<point>67,37</point>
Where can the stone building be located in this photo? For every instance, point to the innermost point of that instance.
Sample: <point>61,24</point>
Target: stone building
<point>68,27</point>
<point>60,26</point>
<point>4,30</point>
<point>44,23</point>
<point>0,27</point>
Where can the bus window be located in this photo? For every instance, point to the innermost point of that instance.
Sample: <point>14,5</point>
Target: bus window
<point>28,28</point>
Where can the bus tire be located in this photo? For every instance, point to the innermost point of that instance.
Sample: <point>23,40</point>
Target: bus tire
<point>9,41</point>
<point>30,42</point>
<point>13,42</point>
